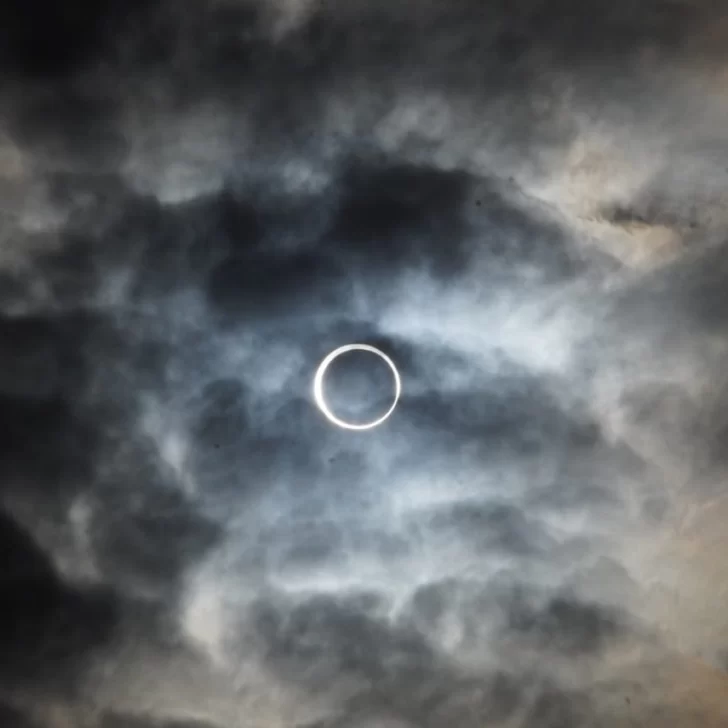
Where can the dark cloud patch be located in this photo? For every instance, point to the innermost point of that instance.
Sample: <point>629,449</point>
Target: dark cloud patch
<point>510,236</point>
<point>229,455</point>
<point>326,638</point>
<point>13,718</point>
<point>91,197</point>
<point>430,602</point>
<point>475,610</point>
<point>311,544</point>
<point>310,541</point>
<point>42,442</point>
<point>555,708</point>
<point>500,412</point>
<point>56,279</point>
<point>242,449</point>
<point>119,720</point>
<point>215,46</point>
<point>171,246</point>
<point>703,286</point>
<point>47,442</point>
<point>69,272</point>
<point>567,625</point>
<point>468,701</point>
<point>602,31</point>
<point>491,47</point>
<point>30,361</point>
<point>283,287</point>
<point>42,41</point>
<point>493,612</point>
<point>48,628</point>
<point>223,416</point>
<point>692,291</point>
<point>146,533</point>
<point>655,509</point>
<point>68,126</point>
<point>492,527</point>
<point>114,236</point>
<point>238,225</point>
<point>323,641</point>
<point>392,214</point>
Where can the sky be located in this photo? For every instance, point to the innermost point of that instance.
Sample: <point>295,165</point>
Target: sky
<point>522,204</point>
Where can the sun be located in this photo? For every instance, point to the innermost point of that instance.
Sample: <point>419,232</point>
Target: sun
<point>318,387</point>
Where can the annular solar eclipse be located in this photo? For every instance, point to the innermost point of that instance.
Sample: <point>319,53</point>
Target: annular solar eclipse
<point>318,387</point>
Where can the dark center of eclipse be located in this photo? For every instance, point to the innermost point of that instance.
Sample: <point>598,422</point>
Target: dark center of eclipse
<point>359,387</point>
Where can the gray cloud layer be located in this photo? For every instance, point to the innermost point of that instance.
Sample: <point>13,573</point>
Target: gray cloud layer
<point>522,206</point>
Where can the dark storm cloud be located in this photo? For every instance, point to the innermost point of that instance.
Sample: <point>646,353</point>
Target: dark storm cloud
<point>567,625</point>
<point>555,708</point>
<point>44,41</point>
<point>204,50</point>
<point>148,535</point>
<point>83,132</point>
<point>252,285</point>
<point>13,718</point>
<point>553,622</point>
<point>201,200</point>
<point>395,672</point>
<point>47,627</point>
<point>45,441</point>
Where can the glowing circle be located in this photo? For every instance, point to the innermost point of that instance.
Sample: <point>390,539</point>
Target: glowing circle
<point>318,387</point>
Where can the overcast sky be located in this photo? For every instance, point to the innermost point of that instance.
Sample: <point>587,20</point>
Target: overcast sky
<point>522,204</point>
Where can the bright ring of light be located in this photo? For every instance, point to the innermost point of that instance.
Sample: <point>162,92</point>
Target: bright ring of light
<point>318,386</point>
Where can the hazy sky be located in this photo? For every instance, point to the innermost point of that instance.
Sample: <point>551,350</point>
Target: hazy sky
<point>523,204</point>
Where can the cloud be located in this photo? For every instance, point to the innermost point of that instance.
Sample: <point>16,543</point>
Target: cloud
<point>522,206</point>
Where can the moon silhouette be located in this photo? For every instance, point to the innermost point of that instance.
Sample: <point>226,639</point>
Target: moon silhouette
<point>318,387</point>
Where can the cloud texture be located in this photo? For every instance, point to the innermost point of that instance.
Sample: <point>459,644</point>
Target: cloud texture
<point>522,204</point>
